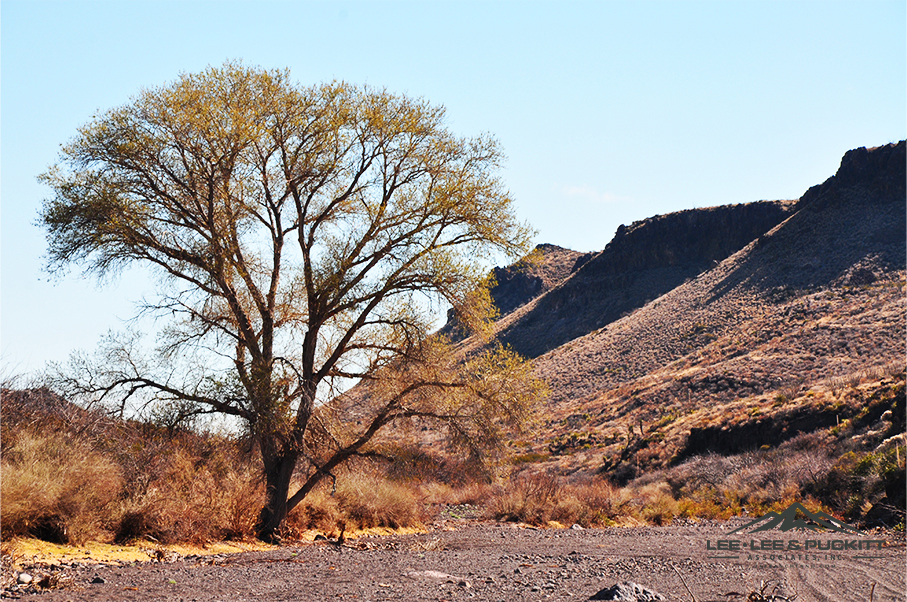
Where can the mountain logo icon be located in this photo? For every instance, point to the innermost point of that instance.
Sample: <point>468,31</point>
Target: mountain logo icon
<point>790,519</point>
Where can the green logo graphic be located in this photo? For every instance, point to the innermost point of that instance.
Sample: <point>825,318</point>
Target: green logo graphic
<point>790,519</point>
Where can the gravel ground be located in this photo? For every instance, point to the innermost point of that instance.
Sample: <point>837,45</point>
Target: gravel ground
<point>500,562</point>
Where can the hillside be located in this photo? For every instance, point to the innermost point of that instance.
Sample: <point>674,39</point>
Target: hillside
<point>798,330</point>
<point>642,262</point>
<point>517,284</point>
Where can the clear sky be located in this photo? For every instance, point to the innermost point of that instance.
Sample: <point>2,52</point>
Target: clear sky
<point>609,111</point>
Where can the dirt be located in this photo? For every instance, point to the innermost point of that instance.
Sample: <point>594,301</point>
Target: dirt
<point>484,561</point>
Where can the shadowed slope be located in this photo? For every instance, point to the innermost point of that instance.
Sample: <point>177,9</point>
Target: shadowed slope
<point>643,261</point>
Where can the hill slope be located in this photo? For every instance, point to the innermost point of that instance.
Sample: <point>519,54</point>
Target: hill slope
<point>750,352</point>
<point>643,261</point>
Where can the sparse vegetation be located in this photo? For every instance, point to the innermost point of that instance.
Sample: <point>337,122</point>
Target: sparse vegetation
<point>540,499</point>
<point>66,481</point>
<point>57,489</point>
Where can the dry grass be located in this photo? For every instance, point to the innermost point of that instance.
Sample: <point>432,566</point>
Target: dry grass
<point>474,493</point>
<point>540,499</point>
<point>362,500</point>
<point>809,469</point>
<point>71,475</point>
<point>193,501</point>
<point>56,489</point>
<point>79,478</point>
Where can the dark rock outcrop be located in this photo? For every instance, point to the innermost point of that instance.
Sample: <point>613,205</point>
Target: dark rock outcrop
<point>880,170</point>
<point>518,284</point>
<point>642,262</point>
<point>846,231</point>
<point>523,281</point>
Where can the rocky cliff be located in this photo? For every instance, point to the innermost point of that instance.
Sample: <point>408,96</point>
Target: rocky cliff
<point>643,261</point>
<point>520,283</point>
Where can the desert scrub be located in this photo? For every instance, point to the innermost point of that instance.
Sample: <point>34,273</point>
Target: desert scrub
<point>539,499</point>
<point>529,458</point>
<point>526,498</point>
<point>57,489</point>
<point>192,499</point>
<point>860,480</point>
<point>360,500</point>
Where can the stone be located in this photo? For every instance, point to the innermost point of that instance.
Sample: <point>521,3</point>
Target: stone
<point>24,578</point>
<point>434,575</point>
<point>627,591</point>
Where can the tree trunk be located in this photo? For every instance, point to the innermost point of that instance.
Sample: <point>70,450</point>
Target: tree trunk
<point>278,472</point>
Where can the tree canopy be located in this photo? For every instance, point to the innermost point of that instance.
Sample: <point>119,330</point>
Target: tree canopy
<point>304,239</point>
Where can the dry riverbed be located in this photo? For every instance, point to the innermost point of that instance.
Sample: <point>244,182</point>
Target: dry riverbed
<point>493,562</point>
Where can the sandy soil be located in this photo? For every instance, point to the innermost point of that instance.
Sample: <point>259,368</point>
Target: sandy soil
<point>502,562</point>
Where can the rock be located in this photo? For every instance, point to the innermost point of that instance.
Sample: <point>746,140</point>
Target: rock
<point>627,591</point>
<point>576,527</point>
<point>24,578</point>
<point>433,575</point>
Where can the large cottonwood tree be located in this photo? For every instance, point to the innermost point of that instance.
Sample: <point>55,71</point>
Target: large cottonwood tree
<point>304,238</point>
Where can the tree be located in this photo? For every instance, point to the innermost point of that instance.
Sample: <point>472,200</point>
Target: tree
<point>303,237</point>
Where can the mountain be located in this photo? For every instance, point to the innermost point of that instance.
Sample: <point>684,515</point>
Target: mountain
<point>642,262</point>
<point>725,329</point>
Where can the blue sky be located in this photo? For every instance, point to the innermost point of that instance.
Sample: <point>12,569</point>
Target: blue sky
<point>609,112</point>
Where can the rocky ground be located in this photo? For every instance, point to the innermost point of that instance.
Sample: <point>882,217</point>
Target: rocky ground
<point>484,561</point>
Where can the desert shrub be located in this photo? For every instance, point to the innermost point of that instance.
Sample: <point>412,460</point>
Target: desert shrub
<point>603,501</point>
<point>655,504</point>
<point>541,498</point>
<point>527,498</point>
<point>713,486</point>
<point>860,480</point>
<point>370,501</point>
<point>319,511</point>
<point>56,489</point>
<point>415,464</point>
<point>529,458</point>
<point>362,499</point>
<point>192,499</point>
<point>474,493</point>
